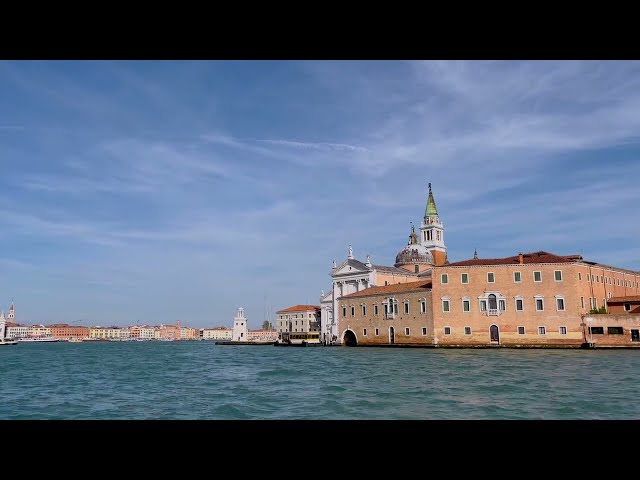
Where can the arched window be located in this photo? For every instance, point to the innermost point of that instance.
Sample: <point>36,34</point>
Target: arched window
<point>493,305</point>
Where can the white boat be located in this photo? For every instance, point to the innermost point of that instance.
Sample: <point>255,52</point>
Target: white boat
<point>8,341</point>
<point>44,338</point>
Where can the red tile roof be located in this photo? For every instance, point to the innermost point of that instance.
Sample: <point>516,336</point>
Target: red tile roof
<point>395,288</point>
<point>632,298</point>
<point>534,257</point>
<point>299,308</point>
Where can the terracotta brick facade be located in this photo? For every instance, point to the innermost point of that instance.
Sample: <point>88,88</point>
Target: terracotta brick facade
<point>373,327</point>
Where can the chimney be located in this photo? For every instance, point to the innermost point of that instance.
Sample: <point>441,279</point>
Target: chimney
<point>521,258</point>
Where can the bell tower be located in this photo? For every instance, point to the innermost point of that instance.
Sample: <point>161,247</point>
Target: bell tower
<point>432,232</point>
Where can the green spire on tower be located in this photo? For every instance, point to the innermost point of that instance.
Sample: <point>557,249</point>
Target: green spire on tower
<point>431,205</point>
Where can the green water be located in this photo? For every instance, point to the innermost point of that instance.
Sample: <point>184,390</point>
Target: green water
<point>201,380</point>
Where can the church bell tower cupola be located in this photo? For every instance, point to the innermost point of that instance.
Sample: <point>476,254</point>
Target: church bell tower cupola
<point>432,231</point>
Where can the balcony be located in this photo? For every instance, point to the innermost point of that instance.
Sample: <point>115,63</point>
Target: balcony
<point>493,312</point>
<point>389,316</point>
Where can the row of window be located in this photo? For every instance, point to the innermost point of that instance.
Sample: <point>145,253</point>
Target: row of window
<point>521,330</point>
<point>610,280</point>
<point>557,276</point>
<point>390,307</point>
<point>492,304</point>
<point>491,278</point>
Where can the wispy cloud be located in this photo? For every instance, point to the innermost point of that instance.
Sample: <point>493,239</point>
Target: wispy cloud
<point>137,183</point>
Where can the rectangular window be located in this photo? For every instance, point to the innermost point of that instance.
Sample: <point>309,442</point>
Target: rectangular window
<point>416,269</point>
<point>483,305</point>
<point>466,305</point>
<point>615,330</point>
<point>465,278</point>
<point>353,311</point>
<point>467,330</point>
<point>560,304</point>
<point>627,306</point>
<point>406,331</point>
<point>542,330</point>
<point>537,276</point>
<point>364,332</point>
<point>635,335</point>
<point>377,332</point>
<point>445,305</point>
<point>580,276</point>
<point>557,275</point>
<point>364,310</point>
<point>501,305</point>
<point>519,304</point>
<point>539,304</point>
<point>520,330</point>
<point>375,309</point>
<point>588,277</point>
<point>596,330</point>
<point>406,307</point>
<point>517,277</point>
<point>447,330</point>
<point>444,278</point>
<point>423,306</point>
<point>563,330</point>
<point>490,277</point>
<point>344,311</point>
<point>581,302</point>
<point>424,330</point>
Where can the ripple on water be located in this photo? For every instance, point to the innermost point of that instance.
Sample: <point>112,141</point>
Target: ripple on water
<point>189,380</point>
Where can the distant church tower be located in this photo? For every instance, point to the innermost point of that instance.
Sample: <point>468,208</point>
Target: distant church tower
<point>432,232</point>
<point>12,310</point>
<point>240,326</point>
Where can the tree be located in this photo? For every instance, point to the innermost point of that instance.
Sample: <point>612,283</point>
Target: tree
<point>267,325</point>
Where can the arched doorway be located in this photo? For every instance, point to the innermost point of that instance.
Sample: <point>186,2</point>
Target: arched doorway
<point>494,333</point>
<point>392,335</point>
<point>349,339</point>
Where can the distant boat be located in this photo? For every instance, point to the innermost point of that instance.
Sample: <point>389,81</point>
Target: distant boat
<point>44,338</point>
<point>74,340</point>
<point>8,341</point>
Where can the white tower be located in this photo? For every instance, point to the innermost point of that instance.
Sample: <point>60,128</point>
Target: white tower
<point>432,232</point>
<point>2,326</point>
<point>240,326</point>
<point>11,312</point>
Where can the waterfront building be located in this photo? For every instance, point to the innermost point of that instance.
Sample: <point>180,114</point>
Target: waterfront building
<point>536,299</point>
<point>170,332</point>
<point>626,304</point>
<point>189,333</point>
<point>298,318</point>
<point>38,331</point>
<point>108,333</point>
<point>217,333</point>
<point>65,331</point>
<point>262,335</point>
<point>413,263</point>
<point>14,330</point>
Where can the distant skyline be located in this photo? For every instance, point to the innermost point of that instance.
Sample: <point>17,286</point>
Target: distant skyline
<point>157,191</point>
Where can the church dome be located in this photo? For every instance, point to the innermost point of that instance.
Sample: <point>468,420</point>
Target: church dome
<point>414,253</point>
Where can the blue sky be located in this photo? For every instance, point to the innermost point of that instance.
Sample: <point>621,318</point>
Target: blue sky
<point>158,190</point>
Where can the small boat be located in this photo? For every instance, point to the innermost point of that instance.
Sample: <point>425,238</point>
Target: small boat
<point>44,338</point>
<point>8,341</point>
<point>74,340</point>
